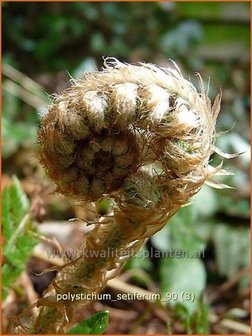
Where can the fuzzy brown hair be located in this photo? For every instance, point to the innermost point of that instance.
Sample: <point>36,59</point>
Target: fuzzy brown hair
<point>139,134</point>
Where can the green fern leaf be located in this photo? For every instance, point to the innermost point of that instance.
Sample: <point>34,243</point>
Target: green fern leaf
<point>17,241</point>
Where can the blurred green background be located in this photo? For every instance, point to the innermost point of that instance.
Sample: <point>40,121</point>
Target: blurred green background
<point>49,41</point>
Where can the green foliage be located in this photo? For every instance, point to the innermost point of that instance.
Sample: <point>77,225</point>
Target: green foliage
<point>232,249</point>
<point>95,324</point>
<point>182,271</point>
<point>196,323</point>
<point>190,232</point>
<point>140,261</point>
<point>202,327</point>
<point>16,131</point>
<point>139,266</point>
<point>180,233</point>
<point>230,240</point>
<point>197,225</point>
<point>16,134</point>
<point>44,33</point>
<point>174,275</point>
<point>184,247</point>
<point>189,33</point>
<point>17,241</point>
<point>20,121</point>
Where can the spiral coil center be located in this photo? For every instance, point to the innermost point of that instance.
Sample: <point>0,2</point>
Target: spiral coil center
<point>111,124</point>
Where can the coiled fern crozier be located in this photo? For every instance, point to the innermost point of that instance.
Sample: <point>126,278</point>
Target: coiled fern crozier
<point>138,134</point>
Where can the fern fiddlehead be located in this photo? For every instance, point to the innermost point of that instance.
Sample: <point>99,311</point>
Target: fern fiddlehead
<point>138,134</point>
